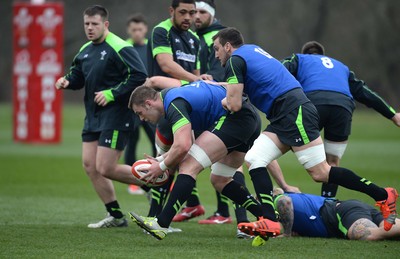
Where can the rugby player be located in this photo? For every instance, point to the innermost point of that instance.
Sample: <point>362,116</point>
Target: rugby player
<point>332,88</point>
<point>108,69</point>
<point>293,126</point>
<point>136,28</point>
<point>315,216</point>
<point>223,142</point>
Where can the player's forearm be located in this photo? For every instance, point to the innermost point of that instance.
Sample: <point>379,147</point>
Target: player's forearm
<point>162,82</point>
<point>176,71</point>
<point>276,172</point>
<point>284,207</point>
<point>75,82</point>
<point>175,155</point>
<point>364,95</point>
<point>127,86</point>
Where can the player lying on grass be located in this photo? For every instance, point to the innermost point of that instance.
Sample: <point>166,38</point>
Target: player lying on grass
<point>225,139</point>
<point>315,216</point>
<point>293,126</point>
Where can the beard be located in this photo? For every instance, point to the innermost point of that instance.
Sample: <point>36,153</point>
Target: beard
<point>180,26</point>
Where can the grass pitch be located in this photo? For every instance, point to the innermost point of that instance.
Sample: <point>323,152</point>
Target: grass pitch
<point>46,201</point>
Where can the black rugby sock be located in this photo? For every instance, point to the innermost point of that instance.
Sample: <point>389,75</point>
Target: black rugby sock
<point>346,178</point>
<point>114,209</point>
<point>194,198</point>
<point>329,190</point>
<point>183,186</point>
<point>240,212</point>
<point>159,195</point>
<point>263,187</point>
<point>240,195</point>
<point>222,205</point>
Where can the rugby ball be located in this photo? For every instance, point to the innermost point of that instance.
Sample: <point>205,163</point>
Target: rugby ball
<point>139,169</point>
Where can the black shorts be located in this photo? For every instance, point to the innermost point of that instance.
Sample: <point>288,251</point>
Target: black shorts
<point>340,215</point>
<point>299,127</point>
<point>239,130</point>
<point>115,139</point>
<point>336,122</point>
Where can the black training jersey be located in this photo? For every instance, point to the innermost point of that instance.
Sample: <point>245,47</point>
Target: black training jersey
<point>208,63</point>
<point>357,88</point>
<point>114,67</point>
<point>141,50</point>
<point>182,45</point>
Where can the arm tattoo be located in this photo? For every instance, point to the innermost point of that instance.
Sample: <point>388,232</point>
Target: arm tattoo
<point>285,208</point>
<point>360,230</point>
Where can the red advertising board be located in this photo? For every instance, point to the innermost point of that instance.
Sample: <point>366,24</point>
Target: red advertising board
<point>37,64</point>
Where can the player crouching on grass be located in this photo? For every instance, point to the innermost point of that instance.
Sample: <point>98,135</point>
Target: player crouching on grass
<point>225,139</point>
<point>315,216</point>
<point>165,138</point>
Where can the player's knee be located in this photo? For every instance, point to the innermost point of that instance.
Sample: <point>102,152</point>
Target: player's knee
<point>311,157</point>
<point>219,182</point>
<point>105,170</point>
<point>318,175</point>
<point>89,167</point>
<point>221,175</point>
<point>335,151</point>
<point>263,152</point>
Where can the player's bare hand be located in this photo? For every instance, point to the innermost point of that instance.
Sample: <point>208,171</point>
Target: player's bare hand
<point>61,83</point>
<point>206,77</point>
<point>100,98</point>
<point>153,172</point>
<point>290,188</point>
<point>224,103</point>
<point>396,119</point>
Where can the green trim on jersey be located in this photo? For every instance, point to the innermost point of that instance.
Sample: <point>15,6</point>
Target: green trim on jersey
<point>208,37</point>
<point>130,41</point>
<point>300,126</point>
<point>166,25</point>
<point>108,95</point>
<point>180,123</point>
<point>116,42</point>
<point>114,139</point>
<point>73,61</point>
<point>162,50</point>
<point>289,60</point>
<point>84,46</point>
<point>340,225</point>
<point>233,79</point>
<point>380,98</point>
<point>184,82</point>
